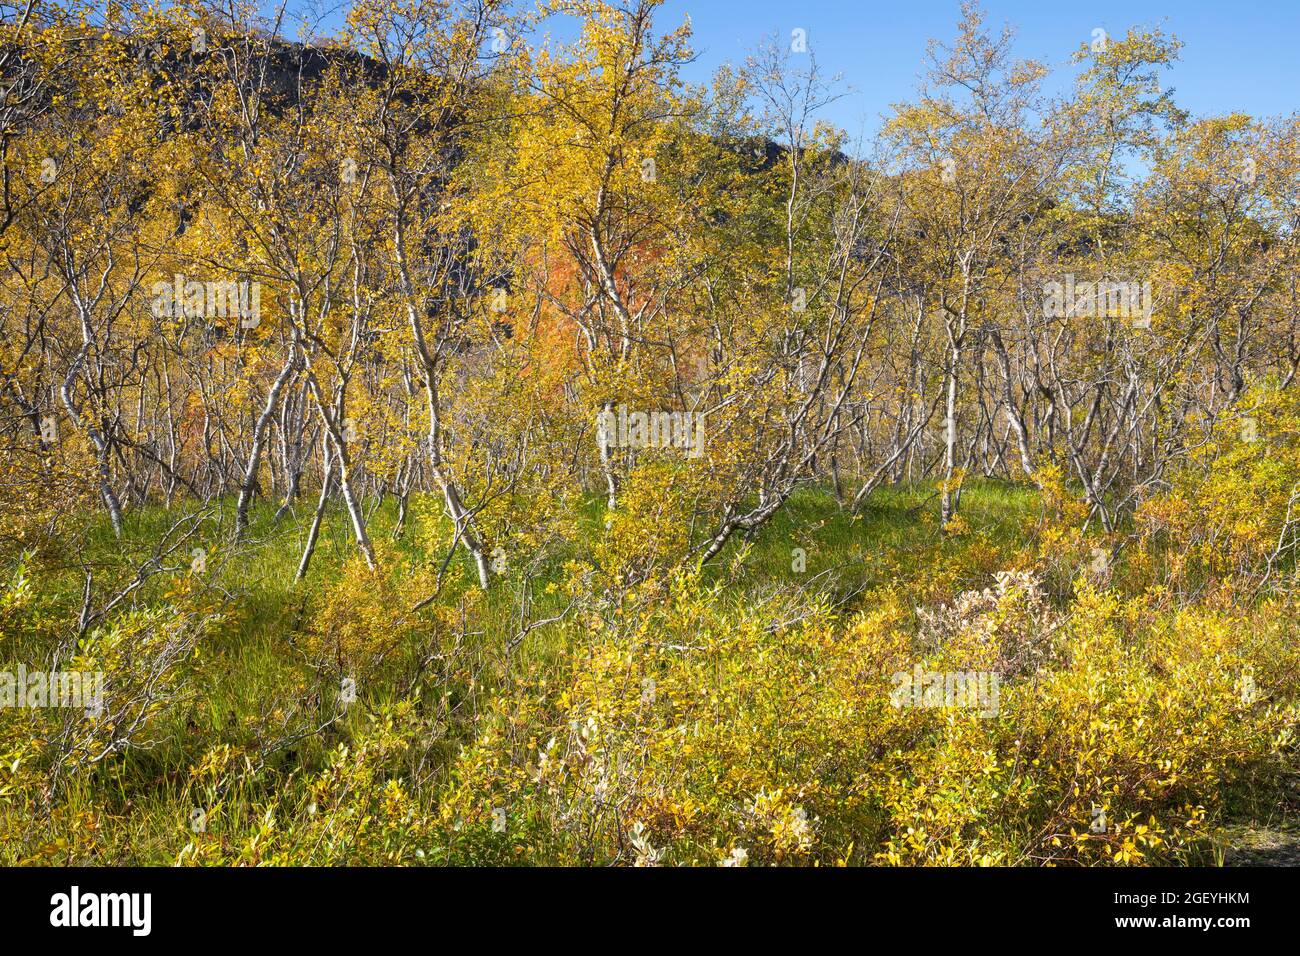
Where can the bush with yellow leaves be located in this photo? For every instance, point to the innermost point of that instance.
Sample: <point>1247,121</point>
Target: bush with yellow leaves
<point>366,617</point>
<point>1234,511</point>
<point>766,735</point>
<point>688,733</point>
<point>1116,756</point>
<point>361,809</point>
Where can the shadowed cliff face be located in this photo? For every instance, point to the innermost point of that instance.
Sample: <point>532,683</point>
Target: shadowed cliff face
<point>281,71</point>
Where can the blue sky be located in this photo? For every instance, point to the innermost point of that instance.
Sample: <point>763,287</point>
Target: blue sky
<point>1237,56</point>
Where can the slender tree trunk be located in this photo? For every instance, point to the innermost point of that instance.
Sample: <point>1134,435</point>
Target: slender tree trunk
<point>259,441</point>
<point>947,505</point>
<point>314,532</point>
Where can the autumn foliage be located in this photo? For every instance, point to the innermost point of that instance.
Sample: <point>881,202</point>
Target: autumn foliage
<point>452,445</point>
